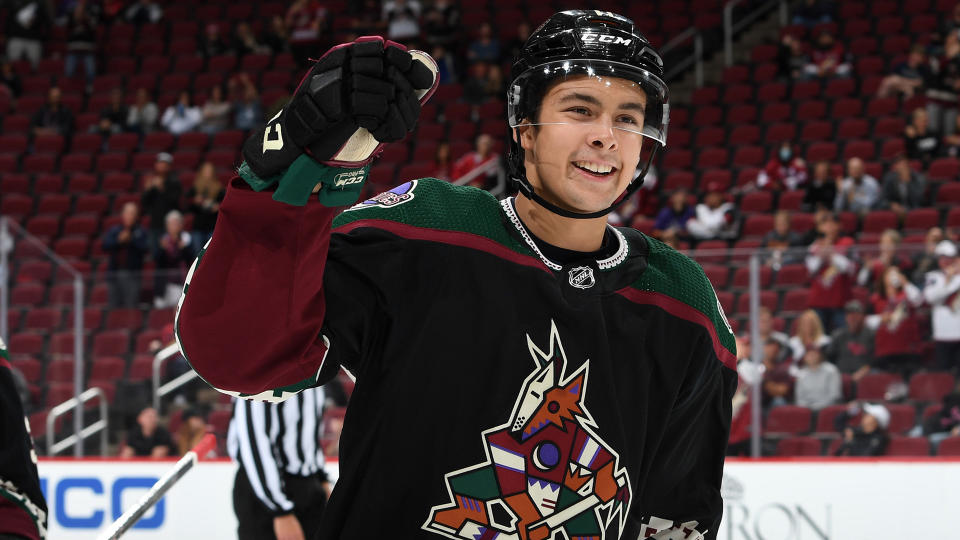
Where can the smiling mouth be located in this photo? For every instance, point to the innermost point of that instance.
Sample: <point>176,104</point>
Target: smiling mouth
<point>595,169</point>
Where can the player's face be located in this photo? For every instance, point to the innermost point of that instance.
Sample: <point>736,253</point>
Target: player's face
<point>584,164</point>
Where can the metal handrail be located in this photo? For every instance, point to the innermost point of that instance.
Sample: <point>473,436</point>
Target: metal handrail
<point>78,437</point>
<point>729,28</point>
<point>78,360</point>
<point>696,58</point>
<point>159,391</point>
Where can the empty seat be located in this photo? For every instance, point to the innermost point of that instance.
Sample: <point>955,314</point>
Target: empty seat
<point>42,319</point>
<point>874,385</point>
<point>60,371</point>
<point>124,319</point>
<point>768,299</point>
<point>27,295</point>
<point>921,219</point>
<point>718,275</point>
<point>758,201</point>
<point>878,221</point>
<point>949,447</point>
<point>931,386</point>
<point>791,275</point>
<point>741,277</point>
<point>908,446</point>
<point>795,300</point>
<point>141,368</point>
<point>799,446</point>
<point>788,419</point>
<point>108,368</point>
<point>111,343</point>
<point>26,343</point>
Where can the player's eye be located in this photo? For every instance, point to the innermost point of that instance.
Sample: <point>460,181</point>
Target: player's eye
<point>628,119</point>
<point>582,111</point>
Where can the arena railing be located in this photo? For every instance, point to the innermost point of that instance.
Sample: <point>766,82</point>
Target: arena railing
<point>731,27</point>
<point>75,404</point>
<point>11,235</point>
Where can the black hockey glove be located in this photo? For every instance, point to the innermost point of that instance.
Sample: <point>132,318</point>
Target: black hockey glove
<point>356,98</point>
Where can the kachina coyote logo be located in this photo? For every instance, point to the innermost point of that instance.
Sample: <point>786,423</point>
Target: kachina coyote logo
<point>547,472</point>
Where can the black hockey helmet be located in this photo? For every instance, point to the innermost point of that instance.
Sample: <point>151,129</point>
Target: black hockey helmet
<point>585,43</point>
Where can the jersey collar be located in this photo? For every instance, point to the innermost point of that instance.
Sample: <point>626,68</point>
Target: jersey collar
<point>620,255</point>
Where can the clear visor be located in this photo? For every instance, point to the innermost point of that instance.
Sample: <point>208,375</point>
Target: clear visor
<point>605,98</point>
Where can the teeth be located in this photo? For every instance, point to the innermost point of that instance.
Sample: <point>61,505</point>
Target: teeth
<point>593,167</point>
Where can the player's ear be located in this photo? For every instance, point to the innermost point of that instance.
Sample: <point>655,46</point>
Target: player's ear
<point>524,135</point>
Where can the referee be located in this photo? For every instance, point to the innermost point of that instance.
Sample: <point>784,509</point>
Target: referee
<point>281,486</point>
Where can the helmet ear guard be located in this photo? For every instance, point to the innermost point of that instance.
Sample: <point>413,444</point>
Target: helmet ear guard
<point>584,43</point>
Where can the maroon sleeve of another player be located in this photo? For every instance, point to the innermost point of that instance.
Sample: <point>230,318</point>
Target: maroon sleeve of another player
<point>253,306</point>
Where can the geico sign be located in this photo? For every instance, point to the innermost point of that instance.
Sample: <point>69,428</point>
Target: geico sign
<point>775,521</point>
<point>91,512</point>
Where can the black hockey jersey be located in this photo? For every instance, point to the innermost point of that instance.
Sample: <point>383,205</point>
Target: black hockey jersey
<point>499,394</point>
<point>23,511</point>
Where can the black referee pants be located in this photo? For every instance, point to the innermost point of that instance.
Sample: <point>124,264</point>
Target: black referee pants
<point>255,522</point>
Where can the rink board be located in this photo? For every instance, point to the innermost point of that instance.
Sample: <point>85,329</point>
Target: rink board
<point>767,500</point>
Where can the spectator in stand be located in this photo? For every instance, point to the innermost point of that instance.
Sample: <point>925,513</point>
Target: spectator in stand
<point>126,244</point>
<point>738,443</point>
<point>873,267</point>
<point>777,384</point>
<point>948,26</point>
<point>446,64</point>
<point>496,87</point>
<point>205,197</point>
<point>442,163</point>
<point>809,335</point>
<point>9,79</point>
<point>904,188</point>
<point>215,112</point>
<point>908,77</point>
<point>511,49</point>
<point>675,215</point>
<point>306,20</point>
<point>785,171</point>
<point>27,25</point>
<point>277,36</point>
<point>813,12</point>
<point>927,260</point>
<point>870,437</point>
<point>161,195</point>
<point>402,18</point>
<point>142,115</point>
<point>714,218</point>
<point>767,331</point>
<point>182,116</point>
<point>827,58</point>
<point>148,438</point>
<point>193,427</point>
<point>486,48</point>
<point>942,292</point>
<point>53,118</point>
<point>475,88</point>
<point>791,59</point>
<point>113,118</point>
<point>851,348</point>
<point>832,272</point>
<point>921,140</point>
<point>943,91</point>
<point>143,12</point>
<point>173,257</point>
<point>818,383</point>
<point>896,323</point>
<point>247,111</point>
<point>212,42</point>
<point>245,42</point>
<point>945,423</point>
<point>82,25</point>
<point>781,241</point>
<point>858,192</point>
<point>482,155</point>
<point>821,190</point>
<point>441,23</point>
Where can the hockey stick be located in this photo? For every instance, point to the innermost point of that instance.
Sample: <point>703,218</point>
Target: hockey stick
<point>135,512</point>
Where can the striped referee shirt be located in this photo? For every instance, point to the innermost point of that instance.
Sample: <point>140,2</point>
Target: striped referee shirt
<point>270,439</point>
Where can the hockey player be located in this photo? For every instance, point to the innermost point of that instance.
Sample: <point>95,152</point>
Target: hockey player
<point>524,371</point>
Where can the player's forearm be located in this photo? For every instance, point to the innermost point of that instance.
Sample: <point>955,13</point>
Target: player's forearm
<point>251,316</point>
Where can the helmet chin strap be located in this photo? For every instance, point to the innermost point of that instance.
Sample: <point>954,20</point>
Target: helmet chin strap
<point>524,186</point>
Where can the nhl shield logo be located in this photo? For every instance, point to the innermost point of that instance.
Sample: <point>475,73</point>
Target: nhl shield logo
<point>581,277</point>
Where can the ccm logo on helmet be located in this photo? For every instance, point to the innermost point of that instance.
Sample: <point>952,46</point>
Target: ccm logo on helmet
<point>605,38</point>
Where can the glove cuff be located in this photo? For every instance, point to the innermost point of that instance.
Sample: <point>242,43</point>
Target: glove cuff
<point>334,186</point>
